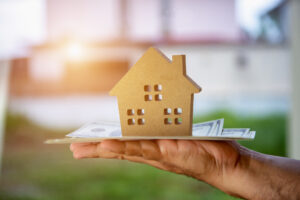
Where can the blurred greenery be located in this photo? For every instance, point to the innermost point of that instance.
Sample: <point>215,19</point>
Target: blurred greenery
<point>32,170</point>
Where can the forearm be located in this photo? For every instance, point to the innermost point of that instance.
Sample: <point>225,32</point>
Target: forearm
<point>260,176</point>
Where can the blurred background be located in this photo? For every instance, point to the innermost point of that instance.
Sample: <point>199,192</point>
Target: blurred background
<point>59,59</point>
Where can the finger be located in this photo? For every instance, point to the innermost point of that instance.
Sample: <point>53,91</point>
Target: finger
<point>85,151</point>
<point>104,151</point>
<point>114,146</point>
<point>145,151</point>
<point>186,147</point>
<point>142,160</point>
<point>133,148</point>
<point>154,163</point>
<point>92,150</point>
<point>150,150</point>
<point>144,148</point>
<point>76,145</point>
<point>168,148</point>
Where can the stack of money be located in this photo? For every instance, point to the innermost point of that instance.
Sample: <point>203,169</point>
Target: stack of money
<point>215,129</point>
<point>210,129</point>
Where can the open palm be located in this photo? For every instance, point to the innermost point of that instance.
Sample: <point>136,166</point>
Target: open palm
<point>199,159</point>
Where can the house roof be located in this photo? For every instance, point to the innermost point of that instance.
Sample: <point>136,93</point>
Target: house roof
<point>154,61</point>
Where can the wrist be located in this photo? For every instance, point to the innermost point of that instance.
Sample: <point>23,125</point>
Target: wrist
<point>250,179</point>
<point>257,176</point>
<point>237,179</point>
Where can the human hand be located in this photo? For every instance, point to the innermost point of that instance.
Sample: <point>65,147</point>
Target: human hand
<point>224,164</point>
<point>204,160</point>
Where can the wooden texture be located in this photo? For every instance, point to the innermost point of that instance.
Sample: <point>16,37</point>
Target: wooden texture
<point>155,97</point>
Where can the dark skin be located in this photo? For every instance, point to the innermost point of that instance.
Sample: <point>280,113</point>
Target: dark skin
<point>225,165</point>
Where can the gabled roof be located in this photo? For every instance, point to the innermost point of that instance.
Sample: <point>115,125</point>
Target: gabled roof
<point>151,62</point>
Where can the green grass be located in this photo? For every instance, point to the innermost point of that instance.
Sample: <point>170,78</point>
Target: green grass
<point>35,171</point>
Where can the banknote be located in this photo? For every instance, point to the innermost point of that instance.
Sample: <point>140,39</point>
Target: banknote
<point>212,128</point>
<point>204,129</point>
<point>236,132</point>
<point>218,128</point>
<point>251,135</point>
<point>113,129</point>
<point>98,129</point>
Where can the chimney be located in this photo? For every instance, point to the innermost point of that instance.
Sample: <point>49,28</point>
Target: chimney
<point>179,62</point>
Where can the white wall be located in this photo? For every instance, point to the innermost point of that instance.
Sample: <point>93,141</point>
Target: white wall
<point>216,69</point>
<point>204,19</point>
<point>95,20</point>
<point>88,20</point>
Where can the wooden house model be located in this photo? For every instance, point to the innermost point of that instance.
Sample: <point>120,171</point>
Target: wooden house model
<point>155,97</point>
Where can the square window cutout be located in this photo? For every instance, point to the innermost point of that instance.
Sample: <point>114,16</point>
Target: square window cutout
<point>131,121</point>
<point>147,88</point>
<point>178,120</point>
<point>178,111</point>
<point>158,97</point>
<point>130,111</point>
<point>148,97</point>
<point>168,121</point>
<point>167,111</point>
<point>141,121</point>
<point>140,111</point>
<point>158,87</point>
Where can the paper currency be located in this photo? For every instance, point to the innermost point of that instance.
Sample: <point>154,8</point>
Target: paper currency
<point>98,129</point>
<point>218,129</point>
<point>204,129</point>
<point>251,135</point>
<point>238,132</point>
<point>235,131</point>
<point>211,129</point>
